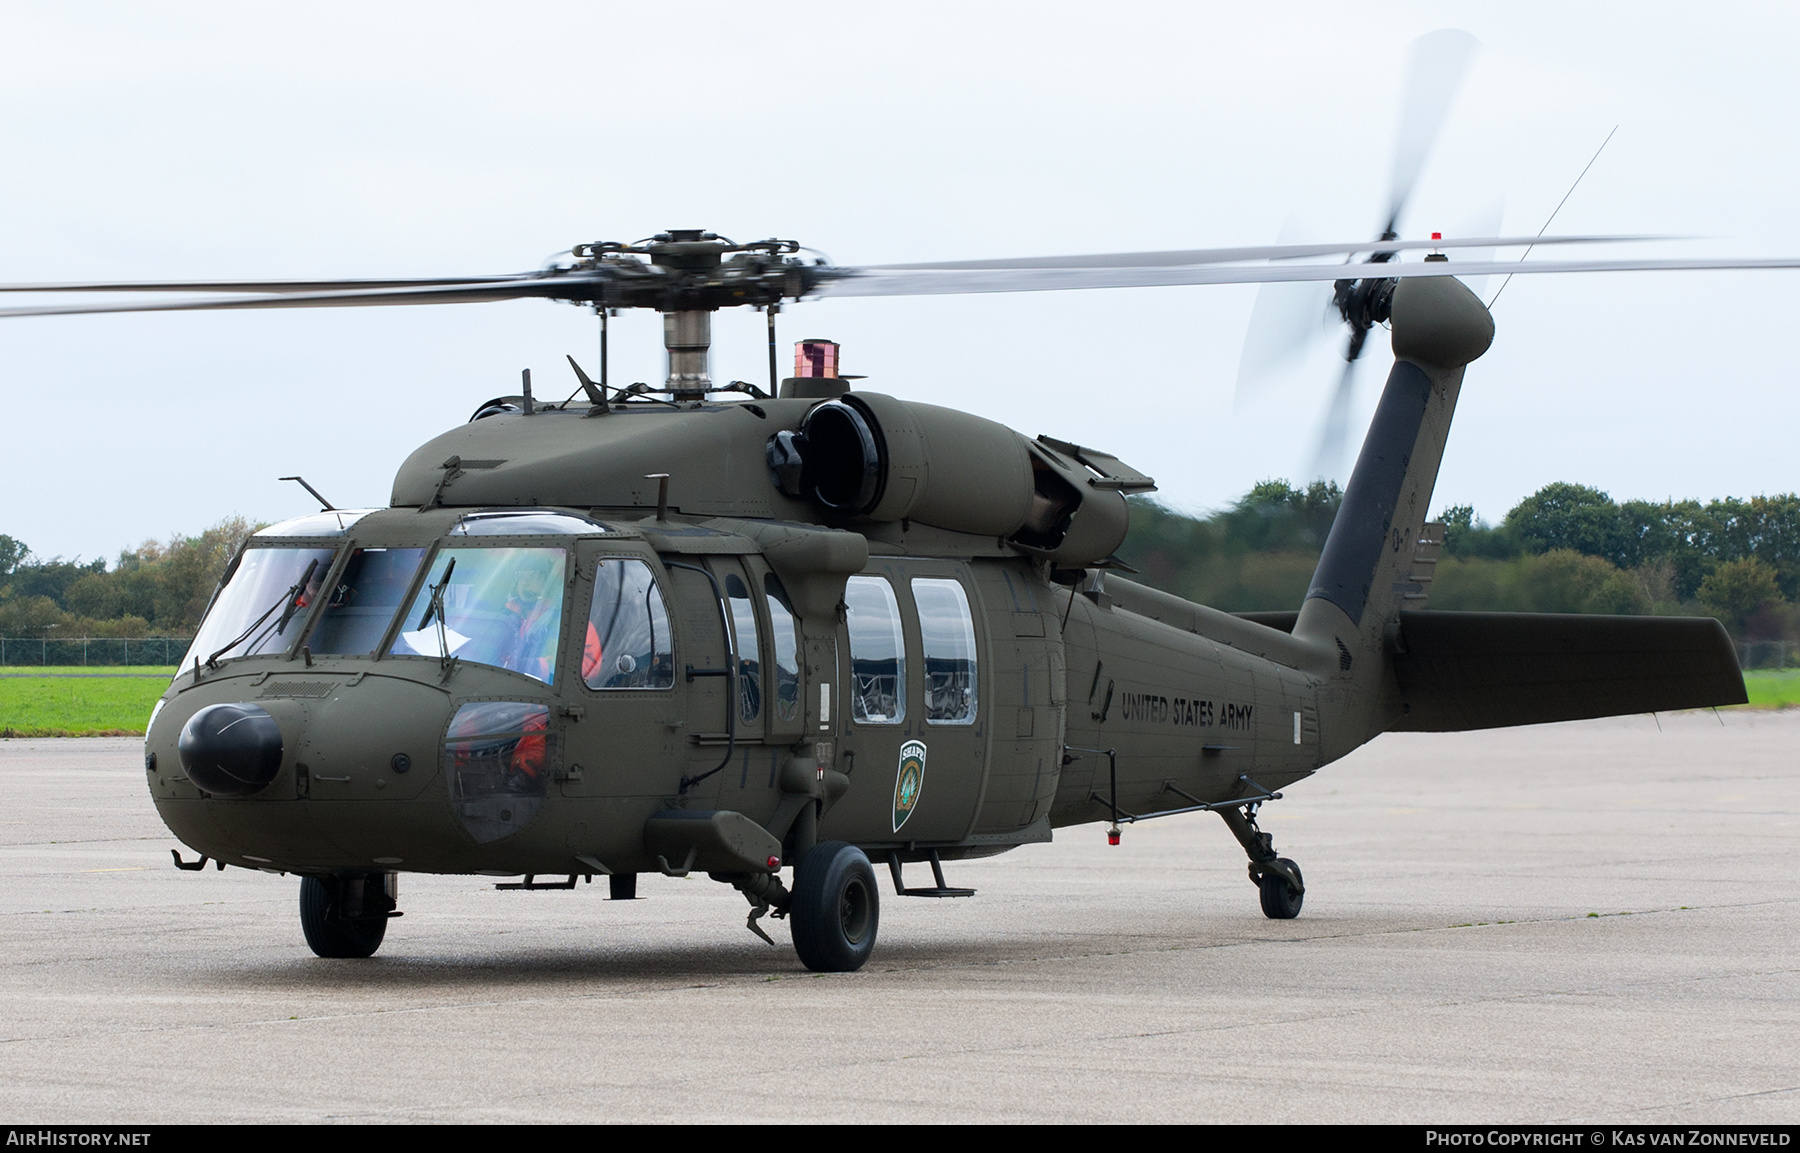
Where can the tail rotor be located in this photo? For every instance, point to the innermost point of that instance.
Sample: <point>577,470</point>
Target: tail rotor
<point>1283,325</point>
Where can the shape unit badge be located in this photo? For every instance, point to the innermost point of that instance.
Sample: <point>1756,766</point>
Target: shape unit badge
<point>908,781</point>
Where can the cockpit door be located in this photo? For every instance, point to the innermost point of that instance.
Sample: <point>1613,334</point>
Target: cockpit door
<point>620,684</point>
<point>705,674</point>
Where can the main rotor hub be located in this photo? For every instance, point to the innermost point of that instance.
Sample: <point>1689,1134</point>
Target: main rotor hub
<point>690,269</point>
<point>688,275</point>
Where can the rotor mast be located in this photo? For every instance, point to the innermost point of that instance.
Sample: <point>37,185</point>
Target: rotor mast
<point>693,257</point>
<point>687,335</point>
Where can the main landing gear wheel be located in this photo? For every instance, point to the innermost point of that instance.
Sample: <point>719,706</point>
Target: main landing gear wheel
<point>1280,899</point>
<point>328,932</point>
<point>836,908</point>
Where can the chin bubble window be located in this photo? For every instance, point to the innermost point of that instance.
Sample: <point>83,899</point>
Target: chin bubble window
<point>499,757</point>
<point>627,644</point>
<point>492,606</point>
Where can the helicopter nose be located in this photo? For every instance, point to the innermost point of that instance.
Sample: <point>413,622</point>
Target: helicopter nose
<point>231,750</point>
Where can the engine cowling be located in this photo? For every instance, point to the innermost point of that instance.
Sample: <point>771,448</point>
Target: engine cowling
<point>865,457</point>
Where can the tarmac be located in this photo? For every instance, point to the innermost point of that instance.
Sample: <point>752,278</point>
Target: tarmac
<point>1591,923</point>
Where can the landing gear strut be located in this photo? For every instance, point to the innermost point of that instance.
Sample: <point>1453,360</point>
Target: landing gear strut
<point>1277,878</point>
<point>347,915</point>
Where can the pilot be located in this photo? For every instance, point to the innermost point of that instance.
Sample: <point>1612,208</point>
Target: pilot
<point>533,622</point>
<point>591,654</point>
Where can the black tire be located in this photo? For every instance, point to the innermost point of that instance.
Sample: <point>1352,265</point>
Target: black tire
<point>1281,900</point>
<point>836,908</point>
<point>333,936</point>
<point>622,887</point>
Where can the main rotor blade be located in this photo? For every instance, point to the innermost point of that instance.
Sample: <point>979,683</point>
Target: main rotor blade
<point>924,282</point>
<point>260,286</point>
<point>1439,65</point>
<point>1176,257</point>
<point>840,281</point>
<point>566,286</point>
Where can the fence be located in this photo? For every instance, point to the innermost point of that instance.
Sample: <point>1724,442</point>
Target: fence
<point>1768,654</point>
<point>92,650</point>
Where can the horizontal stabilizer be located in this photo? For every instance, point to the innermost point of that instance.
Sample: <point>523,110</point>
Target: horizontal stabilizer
<point>1461,670</point>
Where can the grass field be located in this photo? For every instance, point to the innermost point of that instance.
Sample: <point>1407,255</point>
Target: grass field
<point>95,702</point>
<point>79,702</point>
<point>1773,688</point>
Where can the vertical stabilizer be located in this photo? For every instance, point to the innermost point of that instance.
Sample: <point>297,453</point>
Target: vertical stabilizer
<point>1359,588</point>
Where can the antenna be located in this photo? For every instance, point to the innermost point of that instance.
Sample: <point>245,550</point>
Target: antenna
<point>325,505</point>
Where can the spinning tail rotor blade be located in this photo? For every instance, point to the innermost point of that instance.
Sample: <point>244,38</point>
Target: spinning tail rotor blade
<point>1328,460</point>
<point>1286,323</point>
<point>1481,224</point>
<point>1440,63</point>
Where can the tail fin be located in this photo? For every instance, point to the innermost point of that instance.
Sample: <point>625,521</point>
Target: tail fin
<point>1357,591</point>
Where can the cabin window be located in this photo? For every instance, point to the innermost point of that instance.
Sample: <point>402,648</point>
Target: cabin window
<point>877,652</point>
<point>947,629</point>
<point>362,602</point>
<point>627,645</point>
<point>264,603</point>
<point>490,606</point>
<point>785,637</point>
<point>742,611</point>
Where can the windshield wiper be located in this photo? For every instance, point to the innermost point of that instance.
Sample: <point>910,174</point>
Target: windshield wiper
<point>436,609</point>
<point>290,599</point>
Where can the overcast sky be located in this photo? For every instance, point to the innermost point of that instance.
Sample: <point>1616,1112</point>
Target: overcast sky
<point>185,140</point>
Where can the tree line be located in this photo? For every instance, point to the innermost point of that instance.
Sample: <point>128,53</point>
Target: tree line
<point>1564,548</point>
<point>158,589</point>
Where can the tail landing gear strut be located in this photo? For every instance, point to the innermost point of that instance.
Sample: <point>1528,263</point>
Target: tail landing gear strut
<point>1277,878</point>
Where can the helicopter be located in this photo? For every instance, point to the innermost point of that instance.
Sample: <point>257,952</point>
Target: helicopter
<point>813,628</point>
<point>785,635</point>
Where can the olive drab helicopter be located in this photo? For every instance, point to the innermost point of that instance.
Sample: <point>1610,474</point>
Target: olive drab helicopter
<point>787,635</point>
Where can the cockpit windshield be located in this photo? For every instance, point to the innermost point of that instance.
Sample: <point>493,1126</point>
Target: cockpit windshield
<point>332,522</point>
<point>363,600</point>
<point>492,606</point>
<point>262,607</point>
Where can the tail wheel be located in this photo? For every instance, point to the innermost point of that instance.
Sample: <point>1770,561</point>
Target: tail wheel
<point>1281,898</point>
<point>330,934</point>
<point>836,908</point>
